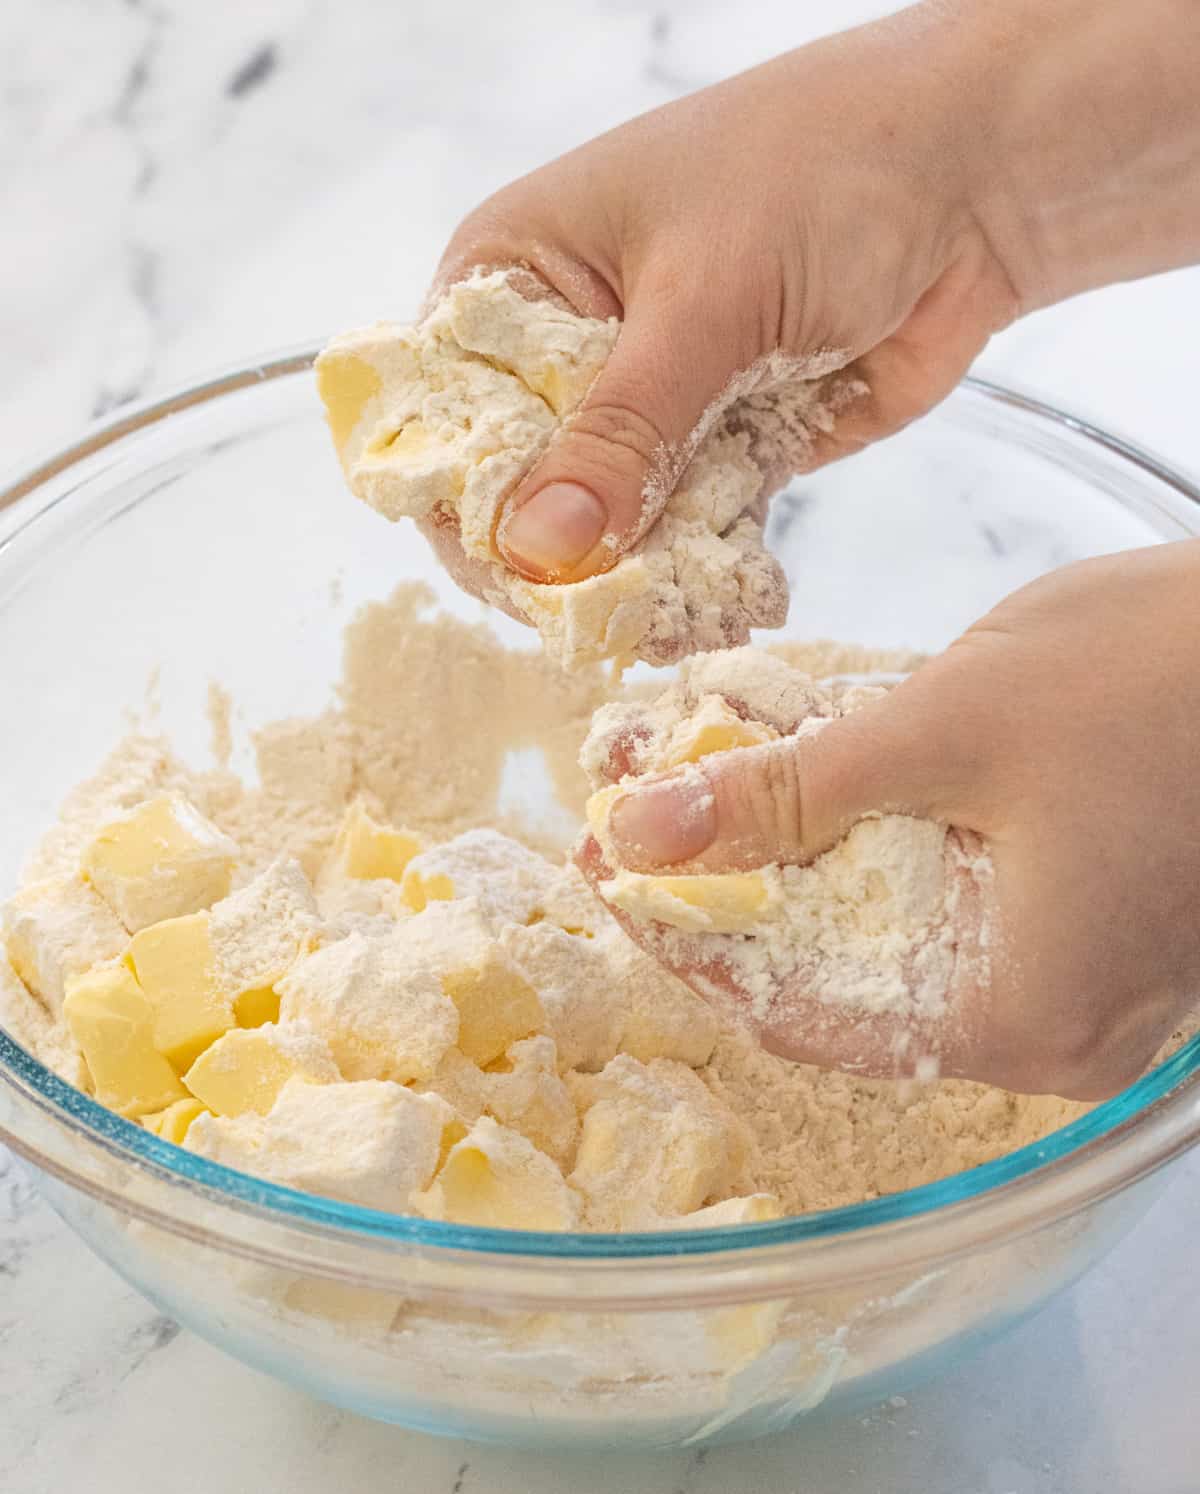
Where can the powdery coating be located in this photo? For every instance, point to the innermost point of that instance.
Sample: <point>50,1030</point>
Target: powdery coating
<point>258,933</point>
<point>369,1143</point>
<point>870,926</point>
<point>509,882</point>
<point>28,1022</point>
<point>56,929</point>
<point>448,415</point>
<point>381,1012</point>
<point>653,1145</point>
<point>496,1177</point>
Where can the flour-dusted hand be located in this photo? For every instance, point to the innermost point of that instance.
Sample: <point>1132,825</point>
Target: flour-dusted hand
<point>1062,733</point>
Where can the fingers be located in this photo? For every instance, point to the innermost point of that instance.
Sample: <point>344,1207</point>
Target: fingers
<point>801,1028</point>
<point>468,571</point>
<point>913,753</point>
<point>605,478</point>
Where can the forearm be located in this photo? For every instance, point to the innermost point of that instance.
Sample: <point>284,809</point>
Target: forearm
<point>1088,113</point>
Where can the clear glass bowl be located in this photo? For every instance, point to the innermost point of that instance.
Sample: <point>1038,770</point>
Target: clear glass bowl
<point>202,534</point>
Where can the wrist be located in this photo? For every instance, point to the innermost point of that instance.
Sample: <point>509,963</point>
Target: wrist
<point>1085,153</point>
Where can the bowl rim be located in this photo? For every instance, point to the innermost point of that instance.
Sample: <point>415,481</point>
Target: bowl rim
<point>1102,1152</point>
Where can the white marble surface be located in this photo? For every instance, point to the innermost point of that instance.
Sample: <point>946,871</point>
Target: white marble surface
<point>184,184</point>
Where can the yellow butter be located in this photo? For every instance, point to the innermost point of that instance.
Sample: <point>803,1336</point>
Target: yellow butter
<point>709,902</point>
<point>174,964</point>
<point>753,1208</point>
<point>496,1005</point>
<point>161,860</point>
<point>113,1024</point>
<point>369,851</point>
<point>494,1178</point>
<point>714,727</point>
<point>346,385</point>
<point>254,1008</point>
<point>246,1069</point>
<point>599,807</point>
<point>420,889</point>
<point>172,1123</point>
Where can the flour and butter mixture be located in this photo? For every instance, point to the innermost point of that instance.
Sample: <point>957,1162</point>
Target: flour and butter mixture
<point>444,417</point>
<point>358,977</point>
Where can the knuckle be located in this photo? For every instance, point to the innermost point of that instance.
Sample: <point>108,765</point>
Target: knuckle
<point>618,432</point>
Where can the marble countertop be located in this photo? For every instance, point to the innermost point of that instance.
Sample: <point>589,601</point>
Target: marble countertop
<point>186,184</point>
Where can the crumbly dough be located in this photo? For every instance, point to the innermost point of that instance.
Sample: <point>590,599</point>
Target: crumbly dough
<point>632,1104</point>
<point>445,418</point>
<point>869,927</point>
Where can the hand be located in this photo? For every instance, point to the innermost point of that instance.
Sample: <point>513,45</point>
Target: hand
<point>886,198</point>
<point>758,216</point>
<point>1064,730</point>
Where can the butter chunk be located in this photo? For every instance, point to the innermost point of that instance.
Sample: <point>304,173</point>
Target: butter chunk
<point>113,1024</point>
<point>259,932</point>
<point>172,1123</point>
<point>27,1021</point>
<point>175,967</point>
<point>660,1016</point>
<point>753,1208</point>
<point>496,1005</point>
<point>578,988</point>
<point>708,902</point>
<point>496,1179</point>
<point>161,860</point>
<point>527,1095</point>
<point>55,930</point>
<point>369,851</point>
<point>510,883</point>
<point>654,1144</point>
<point>246,1070</point>
<point>713,727</point>
<point>381,1010</point>
<point>370,1143</point>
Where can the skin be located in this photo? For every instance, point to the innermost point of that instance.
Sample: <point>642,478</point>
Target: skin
<point>897,194</point>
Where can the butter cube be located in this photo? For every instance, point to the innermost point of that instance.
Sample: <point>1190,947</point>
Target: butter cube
<point>161,860</point>
<point>175,967</point>
<point>245,1070</point>
<point>113,1024</point>
<point>708,902</point>
<point>714,726</point>
<point>370,1143</point>
<point>346,384</point>
<point>172,1123</point>
<point>366,850</point>
<point>494,1178</point>
<point>258,933</point>
<point>527,1095</point>
<point>510,883</point>
<point>753,1208</point>
<point>55,930</point>
<point>654,1144</point>
<point>660,1016</point>
<point>580,995</point>
<point>496,1004</point>
<point>379,1007</point>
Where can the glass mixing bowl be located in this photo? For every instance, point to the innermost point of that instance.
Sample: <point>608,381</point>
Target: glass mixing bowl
<point>209,536</point>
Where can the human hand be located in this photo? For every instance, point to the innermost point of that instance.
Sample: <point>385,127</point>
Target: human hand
<point>886,198</point>
<point>759,217</point>
<point>1064,730</point>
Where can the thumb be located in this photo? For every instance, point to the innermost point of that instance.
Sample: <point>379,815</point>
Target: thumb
<point>605,478</point>
<point>788,801</point>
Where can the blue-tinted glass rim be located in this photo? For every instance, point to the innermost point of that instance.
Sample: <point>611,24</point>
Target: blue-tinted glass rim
<point>133,1143</point>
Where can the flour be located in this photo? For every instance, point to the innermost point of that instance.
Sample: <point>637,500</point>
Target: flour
<point>870,927</point>
<point>445,417</point>
<point>403,740</point>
